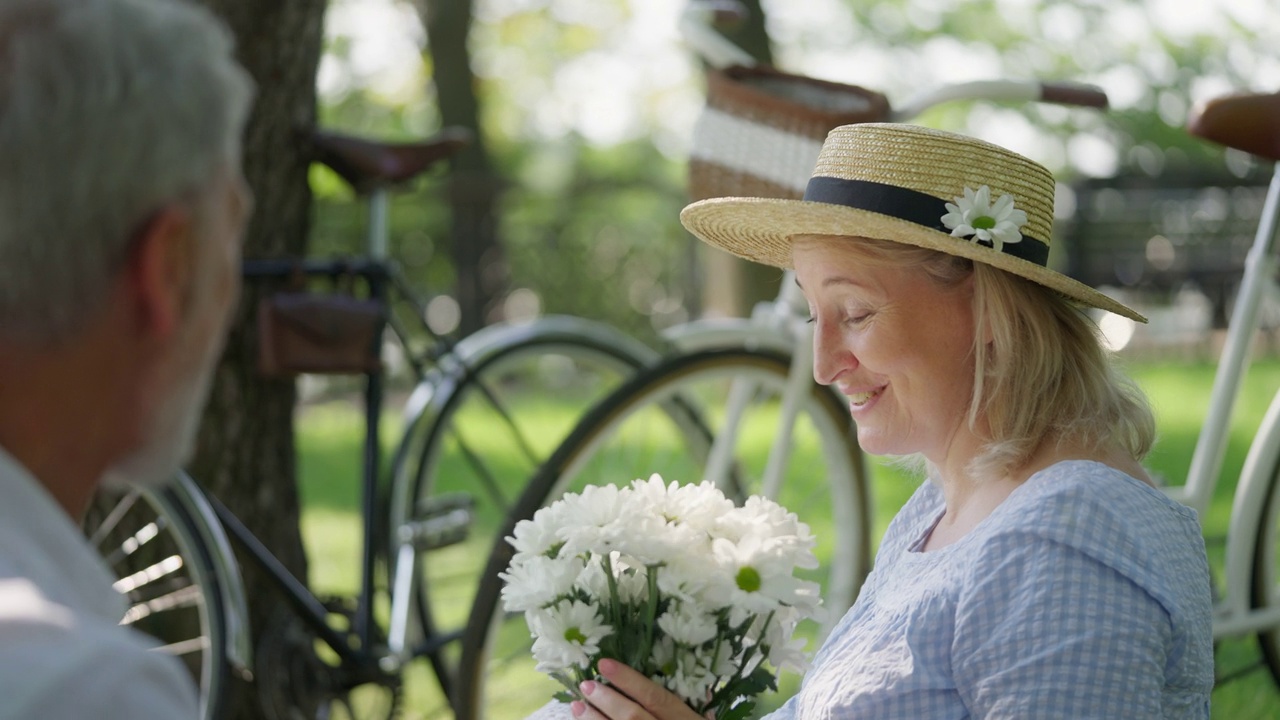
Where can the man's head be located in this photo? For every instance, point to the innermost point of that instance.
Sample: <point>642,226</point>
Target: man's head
<point>121,199</point>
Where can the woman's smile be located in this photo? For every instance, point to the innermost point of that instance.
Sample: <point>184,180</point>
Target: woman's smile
<point>895,341</point>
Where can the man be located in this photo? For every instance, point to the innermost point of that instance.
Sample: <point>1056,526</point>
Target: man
<point>121,212</point>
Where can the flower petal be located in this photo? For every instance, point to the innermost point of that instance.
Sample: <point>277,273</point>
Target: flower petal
<point>982,199</point>
<point>1002,206</point>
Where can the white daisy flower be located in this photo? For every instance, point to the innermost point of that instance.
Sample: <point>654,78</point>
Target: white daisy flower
<point>646,538</point>
<point>540,535</point>
<point>597,523</point>
<point>757,578</point>
<point>777,638</point>
<point>568,635</point>
<point>687,579</point>
<point>719,572</point>
<point>538,582</point>
<point>692,678</point>
<point>765,518</point>
<point>975,217</point>
<point>697,507</point>
<point>687,625</point>
<point>663,656</point>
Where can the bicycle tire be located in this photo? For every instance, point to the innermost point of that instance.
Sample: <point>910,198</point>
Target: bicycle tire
<point>1265,580</point>
<point>166,573</point>
<point>441,457</point>
<point>672,393</point>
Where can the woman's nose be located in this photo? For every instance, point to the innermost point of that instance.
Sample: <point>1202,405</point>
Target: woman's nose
<point>831,357</point>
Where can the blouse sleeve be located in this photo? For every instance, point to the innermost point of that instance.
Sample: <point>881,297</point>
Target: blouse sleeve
<point>1046,630</point>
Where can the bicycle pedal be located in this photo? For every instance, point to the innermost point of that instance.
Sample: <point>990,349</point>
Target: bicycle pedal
<point>443,521</point>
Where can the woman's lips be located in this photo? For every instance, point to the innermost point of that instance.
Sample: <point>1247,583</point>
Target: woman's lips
<point>860,399</point>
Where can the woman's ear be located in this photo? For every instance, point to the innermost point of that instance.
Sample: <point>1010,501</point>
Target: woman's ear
<point>161,270</point>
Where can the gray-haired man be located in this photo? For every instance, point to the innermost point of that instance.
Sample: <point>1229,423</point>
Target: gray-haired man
<point>121,211</point>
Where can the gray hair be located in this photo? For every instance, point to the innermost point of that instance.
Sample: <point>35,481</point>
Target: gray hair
<point>109,111</point>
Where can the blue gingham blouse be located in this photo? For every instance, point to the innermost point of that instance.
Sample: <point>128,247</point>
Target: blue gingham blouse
<point>1085,594</point>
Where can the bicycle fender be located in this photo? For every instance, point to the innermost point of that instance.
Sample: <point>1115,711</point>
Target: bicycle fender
<point>1249,504</point>
<point>478,346</point>
<point>183,498</point>
<point>730,333</point>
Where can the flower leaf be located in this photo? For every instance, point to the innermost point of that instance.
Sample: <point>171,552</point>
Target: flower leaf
<point>741,711</point>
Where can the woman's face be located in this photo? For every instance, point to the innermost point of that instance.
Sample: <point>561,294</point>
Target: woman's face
<point>895,341</point>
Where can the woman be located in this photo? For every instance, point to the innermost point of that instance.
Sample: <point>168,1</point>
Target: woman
<point>1039,573</point>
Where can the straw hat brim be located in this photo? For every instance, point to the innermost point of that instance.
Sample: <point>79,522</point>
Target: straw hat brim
<point>761,229</point>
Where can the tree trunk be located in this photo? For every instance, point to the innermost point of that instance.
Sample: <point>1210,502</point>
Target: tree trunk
<point>732,286</point>
<point>245,454</point>
<point>478,259</point>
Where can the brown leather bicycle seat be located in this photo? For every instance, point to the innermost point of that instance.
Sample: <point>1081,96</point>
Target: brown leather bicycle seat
<point>1245,122</point>
<point>370,164</point>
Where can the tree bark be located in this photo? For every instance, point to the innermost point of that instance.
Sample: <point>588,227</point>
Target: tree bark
<point>245,454</point>
<point>732,286</point>
<point>474,186</point>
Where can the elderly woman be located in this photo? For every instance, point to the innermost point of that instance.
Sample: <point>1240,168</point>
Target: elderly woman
<point>1038,573</point>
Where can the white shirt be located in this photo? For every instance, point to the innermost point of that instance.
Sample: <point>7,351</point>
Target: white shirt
<point>63,653</point>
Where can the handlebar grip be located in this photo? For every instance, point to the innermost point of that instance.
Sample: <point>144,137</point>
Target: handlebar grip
<point>1063,93</point>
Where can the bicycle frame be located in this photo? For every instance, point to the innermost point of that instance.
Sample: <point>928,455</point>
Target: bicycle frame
<point>774,325</point>
<point>1233,615</point>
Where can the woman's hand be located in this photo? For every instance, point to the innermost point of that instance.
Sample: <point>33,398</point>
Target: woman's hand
<point>629,696</point>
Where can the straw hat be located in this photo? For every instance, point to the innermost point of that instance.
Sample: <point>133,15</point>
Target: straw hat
<point>908,184</point>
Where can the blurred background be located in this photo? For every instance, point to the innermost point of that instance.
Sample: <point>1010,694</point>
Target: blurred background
<point>585,110</point>
<point>568,201</point>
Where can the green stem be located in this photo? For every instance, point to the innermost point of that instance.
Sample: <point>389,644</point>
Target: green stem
<point>651,611</point>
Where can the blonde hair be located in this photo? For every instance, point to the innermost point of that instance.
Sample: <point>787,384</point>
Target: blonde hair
<point>1044,375</point>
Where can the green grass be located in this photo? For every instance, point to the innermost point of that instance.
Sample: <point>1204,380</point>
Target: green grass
<point>330,436</point>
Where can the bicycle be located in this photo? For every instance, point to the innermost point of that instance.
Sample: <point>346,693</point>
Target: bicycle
<point>734,400</point>
<point>1249,600</point>
<point>172,547</point>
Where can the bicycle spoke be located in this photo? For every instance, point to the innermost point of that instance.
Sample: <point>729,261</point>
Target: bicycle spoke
<point>185,647</point>
<point>185,597</point>
<point>112,520</point>
<point>161,571</point>
<point>136,541</point>
<point>150,574</point>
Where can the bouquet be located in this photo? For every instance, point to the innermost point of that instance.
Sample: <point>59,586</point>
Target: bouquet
<point>674,580</point>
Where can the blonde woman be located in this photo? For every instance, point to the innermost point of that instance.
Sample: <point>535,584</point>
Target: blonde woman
<point>1037,573</point>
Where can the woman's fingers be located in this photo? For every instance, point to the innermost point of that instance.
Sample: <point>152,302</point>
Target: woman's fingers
<point>605,703</point>
<point>659,702</point>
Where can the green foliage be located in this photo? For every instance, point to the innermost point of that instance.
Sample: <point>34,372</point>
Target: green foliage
<point>601,236</point>
<point>1155,69</point>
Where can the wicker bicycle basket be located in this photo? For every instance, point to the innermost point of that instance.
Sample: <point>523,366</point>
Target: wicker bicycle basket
<point>761,130</point>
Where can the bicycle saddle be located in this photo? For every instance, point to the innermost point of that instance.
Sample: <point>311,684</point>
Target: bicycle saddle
<point>370,164</point>
<point>1245,122</point>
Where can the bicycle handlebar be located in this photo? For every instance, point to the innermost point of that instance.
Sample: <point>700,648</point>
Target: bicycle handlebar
<point>1059,93</point>
<point>697,27</point>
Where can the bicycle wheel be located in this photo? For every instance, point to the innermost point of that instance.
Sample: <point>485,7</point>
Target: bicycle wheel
<point>671,419</point>
<point>483,427</point>
<point>1265,582</point>
<point>164,571</point>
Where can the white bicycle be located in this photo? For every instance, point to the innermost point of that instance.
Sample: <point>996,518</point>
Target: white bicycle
<point>1249,596</point>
